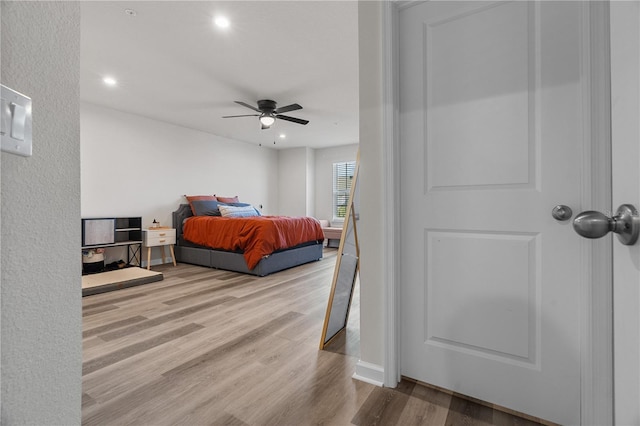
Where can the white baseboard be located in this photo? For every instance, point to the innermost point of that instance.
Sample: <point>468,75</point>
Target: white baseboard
<point>156,262</point>
<point>369,373</point>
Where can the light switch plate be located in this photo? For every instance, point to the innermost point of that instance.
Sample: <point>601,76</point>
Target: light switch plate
<point>15,126</point>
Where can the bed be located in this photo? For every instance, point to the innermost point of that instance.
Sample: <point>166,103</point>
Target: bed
<point>236,260</point>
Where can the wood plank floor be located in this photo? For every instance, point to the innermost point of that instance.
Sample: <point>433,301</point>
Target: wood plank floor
<point>210,347</point>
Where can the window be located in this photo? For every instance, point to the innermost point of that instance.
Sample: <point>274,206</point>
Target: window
<point>342,177</point>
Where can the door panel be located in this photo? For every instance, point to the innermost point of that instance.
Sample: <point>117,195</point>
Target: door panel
<point>492,137</point>
<point>503,329</point>
<point>494,100</point>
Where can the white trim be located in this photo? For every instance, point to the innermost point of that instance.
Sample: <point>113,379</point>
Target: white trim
<point>597,332</point>
<point>369,373</point>
<point>624,33</point>
<point>156,262</point>
<point>597,294</point>
<point>391,191</point>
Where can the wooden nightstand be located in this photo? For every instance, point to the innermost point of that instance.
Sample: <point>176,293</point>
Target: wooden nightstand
<point>159,237</point>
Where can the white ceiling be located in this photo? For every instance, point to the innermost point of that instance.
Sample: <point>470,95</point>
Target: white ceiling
<point>172,64</point>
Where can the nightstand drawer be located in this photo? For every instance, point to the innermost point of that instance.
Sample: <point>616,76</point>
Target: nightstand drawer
<point>158,237</point>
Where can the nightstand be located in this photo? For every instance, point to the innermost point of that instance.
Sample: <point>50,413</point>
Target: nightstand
<point>159,237</point>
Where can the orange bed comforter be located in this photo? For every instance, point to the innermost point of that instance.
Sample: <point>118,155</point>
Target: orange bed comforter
<point>256,236</point>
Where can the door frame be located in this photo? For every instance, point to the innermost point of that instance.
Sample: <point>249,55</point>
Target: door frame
<point>597,295</point>
<point>625,95</point>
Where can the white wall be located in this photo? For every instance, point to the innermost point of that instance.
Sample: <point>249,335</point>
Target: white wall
<point>306,179</point>
<point>371,185</point>
<point>293,181</point>
<point>311,182</point>
<point>40,290</point>
<point>136,166</point>
<point>324,159</point>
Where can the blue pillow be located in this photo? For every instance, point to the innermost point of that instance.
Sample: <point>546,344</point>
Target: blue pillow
<point>206,208</point>
<point>242,205</point>
<point>238,211</point>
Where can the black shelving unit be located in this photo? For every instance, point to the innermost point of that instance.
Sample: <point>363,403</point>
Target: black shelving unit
<point>104,232</point>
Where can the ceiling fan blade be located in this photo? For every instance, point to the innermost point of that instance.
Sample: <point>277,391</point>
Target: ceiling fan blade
<point>246,115</point>
<point>248,106</point>
<point>292,119</point>
<point>292,107</point>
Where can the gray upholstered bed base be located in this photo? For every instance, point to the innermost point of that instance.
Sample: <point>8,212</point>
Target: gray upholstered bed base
<point>235,261</point>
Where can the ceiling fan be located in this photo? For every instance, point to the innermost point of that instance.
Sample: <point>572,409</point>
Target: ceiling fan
<point>269,113</point>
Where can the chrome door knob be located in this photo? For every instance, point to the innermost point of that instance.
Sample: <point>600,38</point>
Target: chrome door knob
<point>593,224</point>
<point>626,223</point>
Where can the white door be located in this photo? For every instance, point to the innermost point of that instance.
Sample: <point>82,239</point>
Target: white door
<point>493,125</point>
<point>625,138</point>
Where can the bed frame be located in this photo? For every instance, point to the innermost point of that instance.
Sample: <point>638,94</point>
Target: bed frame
<point>198,255</point>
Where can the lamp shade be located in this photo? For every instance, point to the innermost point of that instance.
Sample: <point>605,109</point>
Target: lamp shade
<point>267,119</point>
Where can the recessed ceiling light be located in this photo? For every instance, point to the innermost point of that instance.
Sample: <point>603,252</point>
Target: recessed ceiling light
<point>110,81</point>
<point>222,22</point>
<point>130,12</point>
<point>282,136</point>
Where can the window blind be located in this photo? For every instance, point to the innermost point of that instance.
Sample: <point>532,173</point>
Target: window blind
<point>342,178</point>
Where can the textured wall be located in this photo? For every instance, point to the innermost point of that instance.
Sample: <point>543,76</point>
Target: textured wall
<point>40,290</point>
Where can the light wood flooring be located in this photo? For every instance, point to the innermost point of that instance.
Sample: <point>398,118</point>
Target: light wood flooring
<point>210,347</point>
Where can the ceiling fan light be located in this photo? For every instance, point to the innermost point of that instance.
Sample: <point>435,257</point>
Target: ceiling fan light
<point>267,120</point>
<point>222,22</point>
